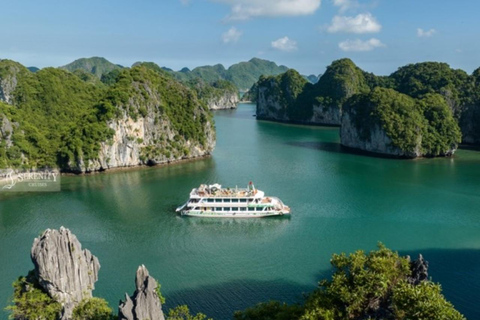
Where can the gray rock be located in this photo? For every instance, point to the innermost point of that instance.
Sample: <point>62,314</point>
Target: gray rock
<point>419,270</point>
<point>229,100</point>
<point>6,129</point>
<point>145,303</point>
<point>65,271</point>
<point>8,83</point>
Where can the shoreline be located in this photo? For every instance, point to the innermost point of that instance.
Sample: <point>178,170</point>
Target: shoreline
<point>135,167</point>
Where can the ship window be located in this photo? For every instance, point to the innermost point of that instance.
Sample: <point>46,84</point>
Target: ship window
<point>210,200</point>
<point>251,209</point>
<point>243,200</point>
<point>226,200</point>
<point>234,200</point>
<point>226,209</point>
<point>218,200</point>
<point>243,209</point>
<point>234,209</point>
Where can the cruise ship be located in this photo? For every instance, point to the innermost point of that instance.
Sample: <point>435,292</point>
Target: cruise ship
<point>216,202</point>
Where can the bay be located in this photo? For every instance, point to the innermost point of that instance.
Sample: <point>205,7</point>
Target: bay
<point>340,202</point>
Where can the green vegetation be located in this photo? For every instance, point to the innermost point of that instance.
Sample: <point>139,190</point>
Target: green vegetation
<point>183,313</point>
<point>342,80</point>
<point>364,286</point>
<point>96,65</point>
<point>426,125</point>
<point>59,121</point>
<point>93,309</point>
<point>243,75</point>
<point>288,88</point>
<point>60,118</point>
<point>31,302</point>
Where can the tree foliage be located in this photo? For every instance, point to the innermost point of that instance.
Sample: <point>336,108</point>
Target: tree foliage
<point>93,309</point>
<point>183,313</point>
<point>30,302</point>
<point>363,285</point>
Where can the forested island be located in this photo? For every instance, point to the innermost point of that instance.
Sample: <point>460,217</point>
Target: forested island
<point>380,284</point>
<point>421,110</point>
<point>74,121</point>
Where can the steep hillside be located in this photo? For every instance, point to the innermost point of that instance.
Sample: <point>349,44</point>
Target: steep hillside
<point>55,118</point>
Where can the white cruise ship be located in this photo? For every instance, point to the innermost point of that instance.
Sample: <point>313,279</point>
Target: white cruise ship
<point>217,202</point>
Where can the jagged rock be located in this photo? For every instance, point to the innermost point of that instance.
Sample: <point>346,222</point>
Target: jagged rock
<point>145,302</point>
<point>419,270</point>
<point>65,271</point>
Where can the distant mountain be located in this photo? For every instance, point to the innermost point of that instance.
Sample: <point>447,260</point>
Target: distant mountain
<point>33,69</point>
<point>243,74</point>
<point>312,78</point>
<point>95,65</point>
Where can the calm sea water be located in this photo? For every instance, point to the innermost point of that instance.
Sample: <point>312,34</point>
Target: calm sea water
<point>340,202</point>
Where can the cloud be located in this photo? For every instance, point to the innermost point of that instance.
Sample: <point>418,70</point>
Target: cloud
<point>361,23</point>
<point>359,45</point>
<point>345,5</point>
<point>247,9</point>
<point>231,36</point>
<point>424,33</point>
<point>284,44</point>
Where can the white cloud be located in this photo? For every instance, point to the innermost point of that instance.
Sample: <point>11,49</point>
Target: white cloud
<point>359,45</point>
<point>284,44</point>
<point>231,36</point>
<point>247,9</point>
<point>425,33</point>
<point>345,5</point>
<point>361,23</point>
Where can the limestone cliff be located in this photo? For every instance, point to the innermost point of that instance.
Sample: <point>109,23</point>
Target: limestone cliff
<point>376,141</point>
<point>145,302</point>
<point>228,100</point>
<point>144,118</point>
<point>290,98</point>
<point>65,271</point>
<point>6,130</point>
<point>389,123</point>
<point>10,74</point>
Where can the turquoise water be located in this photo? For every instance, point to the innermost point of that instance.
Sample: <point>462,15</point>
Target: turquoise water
<point>340,202</point>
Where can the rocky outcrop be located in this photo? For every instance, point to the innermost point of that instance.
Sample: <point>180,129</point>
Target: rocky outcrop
<point>145,302</point>
<point>376,141</point>
<point>144,142</point>
<point>65,271</point>
<point>419,270</point>
<point>271,107</point>
<point>228,100</point>
<point>9,73</point>
<point>6,130</point>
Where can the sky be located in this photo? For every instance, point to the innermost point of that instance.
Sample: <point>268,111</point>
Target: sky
<point>378,35</point>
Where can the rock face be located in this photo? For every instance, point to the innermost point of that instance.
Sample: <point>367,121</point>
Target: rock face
<point>9,71</point>
<point>376,142</point>
<point>65,271</point>
<point>145,302</point>
<point>133,139</point>
<point>419,269</point>
<point>6,130</point>
<point>229,100</point>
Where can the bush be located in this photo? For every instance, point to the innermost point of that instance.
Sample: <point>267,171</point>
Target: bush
<point>30,302</point>
<point>93,309</point>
